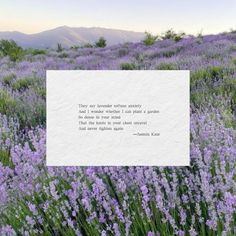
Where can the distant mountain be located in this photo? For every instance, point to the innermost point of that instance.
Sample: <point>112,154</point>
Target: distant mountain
<point>69,36</point>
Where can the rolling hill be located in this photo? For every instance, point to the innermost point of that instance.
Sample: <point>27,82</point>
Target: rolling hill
<point>69,36</point>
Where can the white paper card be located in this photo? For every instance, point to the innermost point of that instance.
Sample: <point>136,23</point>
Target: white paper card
<point>121,118</point>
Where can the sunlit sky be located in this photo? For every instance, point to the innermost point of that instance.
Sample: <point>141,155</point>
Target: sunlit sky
<point>156,16</point>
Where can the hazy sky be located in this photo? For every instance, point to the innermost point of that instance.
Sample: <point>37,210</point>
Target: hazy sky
<point>191,16</point>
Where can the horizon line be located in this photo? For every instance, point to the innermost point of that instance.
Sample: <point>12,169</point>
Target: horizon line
<point>119,29</point>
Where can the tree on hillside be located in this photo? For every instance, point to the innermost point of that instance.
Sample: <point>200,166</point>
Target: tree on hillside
<point>170,34</point>
<point>59,47</point>
<point>150,39</point>
<point>11,48</point>
<point>101,43</point>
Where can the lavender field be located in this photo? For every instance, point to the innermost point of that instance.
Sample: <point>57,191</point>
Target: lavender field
<point>196,200</point>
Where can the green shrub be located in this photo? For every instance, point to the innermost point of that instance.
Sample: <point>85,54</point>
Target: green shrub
<point>28,115</point>
<point>7,103</point>
<point>101,43</point>
<point>35,52</point>
<point>216,72</point>
<point>31,116</point>
<point>226,89</point>
<point>208,74</point>
<point>88,45</point>
<point>198,98</point>
<point>230,87</point>
<point>150,39</point>
<point>41,92</point>
<point>11,49</point>
<point>8,80</point>
<point>5,158</point>
<point>59,48</point>
<point>166,66</point>
<point>128,66</point>
<point>234,61</point>
<point>170,34</point>
<point>22,84</point>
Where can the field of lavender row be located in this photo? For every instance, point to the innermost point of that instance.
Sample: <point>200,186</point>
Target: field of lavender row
<point>138,201</point>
